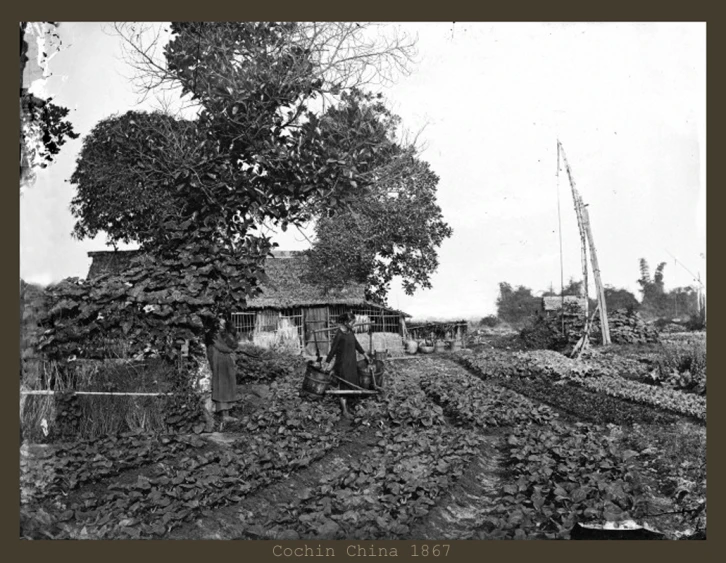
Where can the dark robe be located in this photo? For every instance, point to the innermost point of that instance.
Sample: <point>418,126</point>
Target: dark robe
<point>224,371</point>
<point>343,348</point>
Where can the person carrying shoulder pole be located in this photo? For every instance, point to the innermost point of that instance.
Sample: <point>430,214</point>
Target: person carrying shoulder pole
<point>343,348</point>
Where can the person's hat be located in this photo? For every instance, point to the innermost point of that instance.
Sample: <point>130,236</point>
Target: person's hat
<point>345,318</point>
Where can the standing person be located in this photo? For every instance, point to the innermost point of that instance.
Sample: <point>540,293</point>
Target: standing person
<point>220,352</point>
<point>343,349</point>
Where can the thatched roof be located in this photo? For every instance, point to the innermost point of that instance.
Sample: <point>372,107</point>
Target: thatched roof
<point>285,288</point>
<point>554,303</point>
<point>109,262</point>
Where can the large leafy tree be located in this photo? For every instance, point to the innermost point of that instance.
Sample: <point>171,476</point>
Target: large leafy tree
<point>618,298</point>
<point>391,228</point>
<point>516,305</point>
<point>257,150</point>
<point>684,302</point>
<point>655,302</point>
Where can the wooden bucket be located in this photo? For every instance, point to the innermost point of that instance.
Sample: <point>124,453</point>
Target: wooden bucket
<point>367,373</point>
<point>365,379</point>
<point>316,381</point>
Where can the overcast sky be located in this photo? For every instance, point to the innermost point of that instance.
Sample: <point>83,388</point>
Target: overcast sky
<point>628,102</point>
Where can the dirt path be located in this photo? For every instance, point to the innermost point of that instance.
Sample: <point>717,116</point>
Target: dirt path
<point>460,513</point>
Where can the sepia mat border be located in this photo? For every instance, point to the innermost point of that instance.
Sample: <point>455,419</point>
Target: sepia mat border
<point>380,11</point>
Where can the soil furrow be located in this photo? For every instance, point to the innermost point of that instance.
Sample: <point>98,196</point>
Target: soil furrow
<point>250,518</point>
<point>460,512</point>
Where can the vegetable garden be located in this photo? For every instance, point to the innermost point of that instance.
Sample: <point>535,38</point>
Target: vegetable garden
<point>487,445</point>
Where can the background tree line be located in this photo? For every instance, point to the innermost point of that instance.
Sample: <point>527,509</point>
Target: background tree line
<point>515,305</point>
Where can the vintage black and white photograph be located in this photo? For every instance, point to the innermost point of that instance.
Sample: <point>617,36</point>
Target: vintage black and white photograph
<point>362,281</point>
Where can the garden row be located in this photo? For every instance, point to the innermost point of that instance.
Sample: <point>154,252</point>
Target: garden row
<point>550,377</point>
<point>562,474</point>
<point>559,473</point>
<point>556,473</point>
<point>469,401</point>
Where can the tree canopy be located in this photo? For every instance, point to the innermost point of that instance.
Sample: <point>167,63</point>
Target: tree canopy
<point>654,298</point>
<point>516,305</point>
<point>124,176</point>
<point>394,227</point>
<point>620,299</point>
<point>657,303</point>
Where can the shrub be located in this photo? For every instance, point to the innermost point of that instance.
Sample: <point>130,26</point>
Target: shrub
<point>259,365</point>
<point>490,321</point>
<point>542,334</point>
<point>682,365</point>
<point>697,322</point>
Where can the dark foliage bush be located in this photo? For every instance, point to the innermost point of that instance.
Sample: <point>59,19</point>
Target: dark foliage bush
<point>259,365</point>
<point>662,322</point>
<point>542,334</point>
<point>697,322</point>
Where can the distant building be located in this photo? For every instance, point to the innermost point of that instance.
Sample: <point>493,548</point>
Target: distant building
<point>552,305</point>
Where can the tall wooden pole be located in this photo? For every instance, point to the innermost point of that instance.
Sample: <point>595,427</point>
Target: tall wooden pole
<point>559,224</point>
<point>583,221</point>
<point>604,326</point>
<point>583,234</point>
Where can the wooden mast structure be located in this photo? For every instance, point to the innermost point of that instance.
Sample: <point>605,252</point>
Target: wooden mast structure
<point>586,239</point>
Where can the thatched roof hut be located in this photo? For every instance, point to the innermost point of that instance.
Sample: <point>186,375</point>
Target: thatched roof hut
<point>292,311</point>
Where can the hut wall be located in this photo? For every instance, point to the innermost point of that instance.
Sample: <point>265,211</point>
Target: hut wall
<point>265,334</point>
<point>381,320</point>
<point>292,329</point>
<point>270,328</point>
<point>244,325</point>
<point>382,341</point>
<point>316,318</point>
